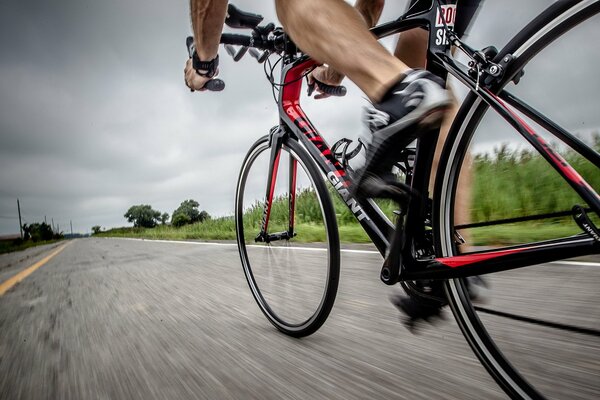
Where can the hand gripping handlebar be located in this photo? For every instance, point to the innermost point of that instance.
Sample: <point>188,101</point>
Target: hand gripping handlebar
<point>267,37</point>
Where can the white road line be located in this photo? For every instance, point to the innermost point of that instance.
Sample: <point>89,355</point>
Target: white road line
<point>574,263</point>
<point>577,263</point>
<point>175,241</point>
<point>257,246</point>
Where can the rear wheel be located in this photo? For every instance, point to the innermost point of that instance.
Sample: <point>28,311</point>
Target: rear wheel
<point>544,318</point>
<point>292,268</point>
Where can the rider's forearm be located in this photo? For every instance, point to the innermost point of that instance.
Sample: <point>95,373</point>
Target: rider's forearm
<point>208,17</point>
<point>370,10</point>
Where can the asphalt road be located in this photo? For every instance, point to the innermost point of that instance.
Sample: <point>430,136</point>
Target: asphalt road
<point>125,319</point>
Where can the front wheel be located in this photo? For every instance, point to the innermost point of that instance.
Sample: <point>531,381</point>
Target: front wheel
<point>287,236</point>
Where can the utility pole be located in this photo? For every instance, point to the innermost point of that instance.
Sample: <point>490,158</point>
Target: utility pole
<point>52,219</point>
<point>71,222</point>
<point>20,224</point>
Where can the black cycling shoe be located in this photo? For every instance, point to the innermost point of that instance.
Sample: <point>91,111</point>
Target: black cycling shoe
<point>415,310</point>
<point>423,301</point>
<point>428,300</point>
<point>413,106</point>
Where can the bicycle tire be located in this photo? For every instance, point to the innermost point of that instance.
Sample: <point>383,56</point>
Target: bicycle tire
<point>539,34</point>
<point>287,252</point>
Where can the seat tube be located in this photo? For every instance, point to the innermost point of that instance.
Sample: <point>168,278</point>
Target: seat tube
<point>442,14</point>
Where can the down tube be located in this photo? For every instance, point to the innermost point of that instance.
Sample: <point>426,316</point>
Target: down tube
<point>568,173</point>
<point>370,217</point>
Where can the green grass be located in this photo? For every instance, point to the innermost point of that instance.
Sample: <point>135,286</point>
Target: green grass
<point>506,184</point>
<point>213,229</point>
<point>9,247</point>
<point>509,184</point>
<point>512,234</point>
<point>224,229</point>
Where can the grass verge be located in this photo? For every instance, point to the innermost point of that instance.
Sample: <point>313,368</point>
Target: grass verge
<point>9,247</point>
<point>224,229</point>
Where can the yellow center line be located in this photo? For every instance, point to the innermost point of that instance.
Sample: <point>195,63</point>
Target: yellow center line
<point>8,284</point>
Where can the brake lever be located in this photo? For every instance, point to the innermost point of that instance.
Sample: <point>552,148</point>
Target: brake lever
<point>236,55</point>
<point>331,90</point>
<point>259,57</point>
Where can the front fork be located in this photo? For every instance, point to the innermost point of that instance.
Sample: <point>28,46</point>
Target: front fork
<point>277,137</point>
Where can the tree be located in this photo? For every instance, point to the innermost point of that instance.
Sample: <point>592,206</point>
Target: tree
<point>180,220</point>
<point>204,216</point>
<point>188,208</point>
<point>164,218</point>
<point>143,216</point>
<point>96,229</point>
<point>39,232</point>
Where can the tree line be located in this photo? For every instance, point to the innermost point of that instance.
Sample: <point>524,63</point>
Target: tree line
<point>40,232</point>
<point>144,216</point>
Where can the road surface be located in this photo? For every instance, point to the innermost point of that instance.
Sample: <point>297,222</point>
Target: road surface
<point>129,319</point>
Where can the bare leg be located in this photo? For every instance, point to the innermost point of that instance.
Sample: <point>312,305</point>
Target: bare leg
<point>333,32</point>
<point>412,47</point>
<point>370,10</point>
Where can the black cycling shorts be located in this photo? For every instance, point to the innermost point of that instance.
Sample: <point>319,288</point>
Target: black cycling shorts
<point>466,10</point>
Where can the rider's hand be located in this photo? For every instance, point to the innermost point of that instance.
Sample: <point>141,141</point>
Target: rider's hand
<point>194,80</point>
<point>326,75</point>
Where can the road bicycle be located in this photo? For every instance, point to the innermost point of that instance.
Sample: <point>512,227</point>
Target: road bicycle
<point>291,177</point>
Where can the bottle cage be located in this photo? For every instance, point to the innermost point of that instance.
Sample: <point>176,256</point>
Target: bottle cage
<point>342,154</point>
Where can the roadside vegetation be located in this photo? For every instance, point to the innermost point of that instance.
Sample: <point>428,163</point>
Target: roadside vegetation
<point>17,245</point>
<point>506,184</point>
<point>35,234</point>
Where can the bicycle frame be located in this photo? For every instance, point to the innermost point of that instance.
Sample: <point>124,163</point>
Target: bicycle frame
<point>398,250</point>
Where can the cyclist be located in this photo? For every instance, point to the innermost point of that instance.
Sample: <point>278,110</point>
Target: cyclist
<point>405,102</point>
<point>411,48</point>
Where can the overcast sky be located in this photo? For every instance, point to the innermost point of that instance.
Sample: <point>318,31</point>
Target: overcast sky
<point>94,115</point>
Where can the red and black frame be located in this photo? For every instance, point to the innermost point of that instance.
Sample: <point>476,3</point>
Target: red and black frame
<point>398,244</point>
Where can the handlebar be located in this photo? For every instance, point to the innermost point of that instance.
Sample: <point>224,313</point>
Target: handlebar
<point>273,44</point>
<point>338,91</point>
